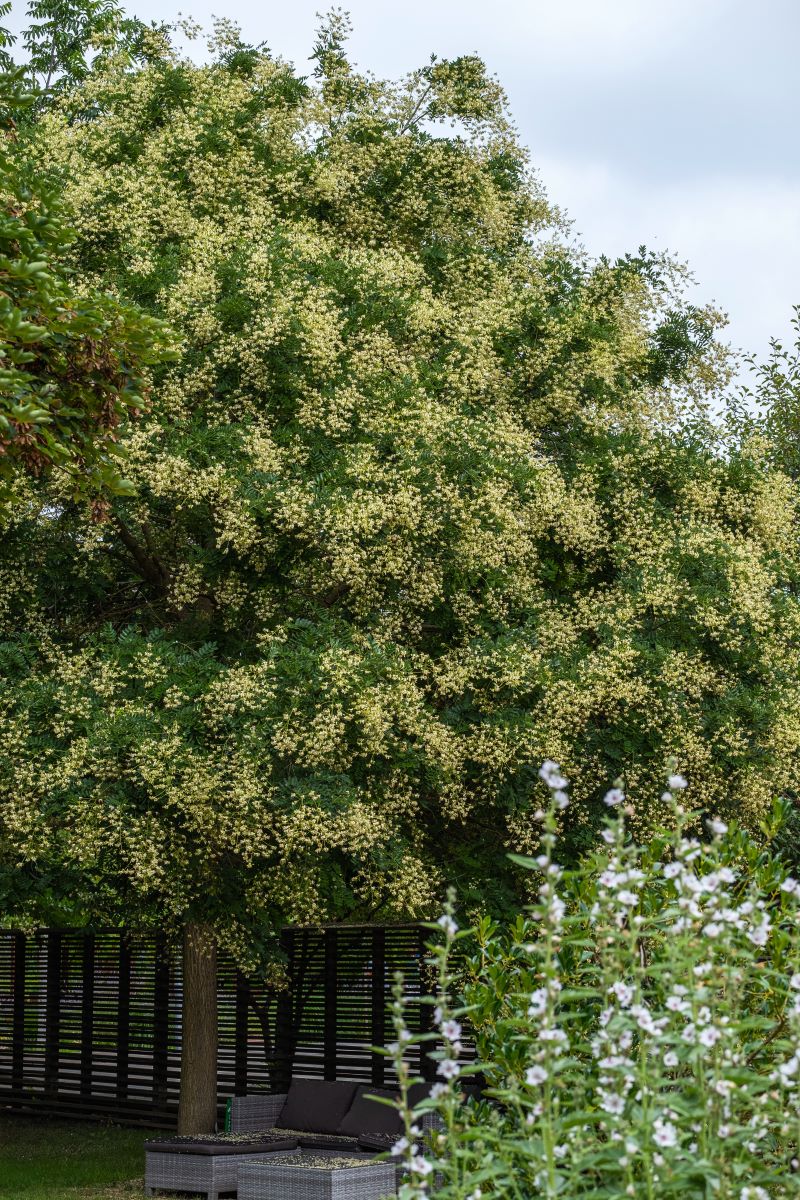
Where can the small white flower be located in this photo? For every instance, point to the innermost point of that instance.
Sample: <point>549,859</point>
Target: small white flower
<point>623,992</point>
<point>438,1090</point>
<point>628,898</point>
<point>671,869</point>
<point>670,1059</point>
<point>538,1002</point>
<point>451,1030</point>
<point>553,1035</point>
<point>400,1146</point>
<point>448,925</point>
<point>708,1036</point>
<point>664,1133</point>
<point>550,772</point>
<point>420,1165</point>
<point>717,827</point>
<point>789,1068</point>
<point>614,797</point>
<point>613,1103</point>
<point>448,1068</point>
<point>794,982</point>
<point>759,934</point>
<point>754,1193</point>
<point>676,783</point>
<point>712,929</point>
<point>535,1075</point>
<point>789,885</point>
<point>561,1151</point>
<point>607,835</point>
<point>561,798</point>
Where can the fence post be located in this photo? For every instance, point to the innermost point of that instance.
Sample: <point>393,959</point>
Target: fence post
<point>378,1022</point>
<point>87,1014</point>
<point>160,1023</point>
<point>52,1015</point>
<point>330,1032</point>
<point>18,1017</point>
<point>283,1046</point>
<point>123,1016</point>
<point>427,1065</point>
<point>240,1035</point>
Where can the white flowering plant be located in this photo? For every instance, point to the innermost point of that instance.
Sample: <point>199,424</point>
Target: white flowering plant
<point>637,1034</point>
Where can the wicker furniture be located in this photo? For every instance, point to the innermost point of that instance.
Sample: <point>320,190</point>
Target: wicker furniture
<point>247,1113</point>
<point>310,1177</point>
<point>209,1165</point>
<point>260,1112</point>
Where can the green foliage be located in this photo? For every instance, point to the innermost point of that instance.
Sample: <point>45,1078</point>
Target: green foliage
<point>425,496</point>
<point>637,1032</point>
<point>67,39</point>
<point>73,362</point>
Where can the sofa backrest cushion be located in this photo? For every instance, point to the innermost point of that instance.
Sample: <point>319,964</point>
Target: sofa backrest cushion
<point>368,1116</point>
<point>316,1105</point>
<point>418,1092</point>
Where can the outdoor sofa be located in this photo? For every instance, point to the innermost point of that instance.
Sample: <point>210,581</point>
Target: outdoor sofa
<point>315,1117</point>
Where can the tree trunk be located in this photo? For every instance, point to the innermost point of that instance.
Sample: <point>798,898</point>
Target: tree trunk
<point>197,1107</point>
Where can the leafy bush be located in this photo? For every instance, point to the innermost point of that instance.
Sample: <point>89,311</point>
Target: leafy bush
<point>638,1032</point>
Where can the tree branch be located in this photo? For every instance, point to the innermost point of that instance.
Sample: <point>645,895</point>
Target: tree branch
<point>150,567</point>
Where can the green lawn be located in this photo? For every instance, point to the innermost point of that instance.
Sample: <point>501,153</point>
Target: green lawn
<point>70,1160</point>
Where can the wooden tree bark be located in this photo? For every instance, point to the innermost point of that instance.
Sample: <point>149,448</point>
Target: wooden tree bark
<point>197,1107</point>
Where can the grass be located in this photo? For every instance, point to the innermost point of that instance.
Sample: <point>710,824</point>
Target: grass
<point>70,1160</point>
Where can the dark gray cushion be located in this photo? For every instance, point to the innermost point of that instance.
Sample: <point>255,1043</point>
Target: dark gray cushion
<point>316,1105</point>
<point>418,1092</point>
<point>265,1146</point>
<point>368,1116</point>
<point>380,1142</point>
<point>326,1141</point>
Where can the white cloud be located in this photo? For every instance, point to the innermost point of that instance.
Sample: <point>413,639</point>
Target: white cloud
<point>657,121</point>
<point>740,236</point>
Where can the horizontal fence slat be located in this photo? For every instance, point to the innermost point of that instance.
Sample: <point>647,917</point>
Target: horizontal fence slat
<point>90,1022</point>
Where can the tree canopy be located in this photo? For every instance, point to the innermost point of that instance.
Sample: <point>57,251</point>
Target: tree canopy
<point>426,497</point>
<point>73,360</point>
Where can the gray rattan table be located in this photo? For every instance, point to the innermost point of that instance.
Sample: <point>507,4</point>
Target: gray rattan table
<point>204,1165</point>
<point>315,1177</point>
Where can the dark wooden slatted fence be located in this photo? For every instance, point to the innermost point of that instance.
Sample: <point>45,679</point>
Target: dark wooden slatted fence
<point>90,1023</point>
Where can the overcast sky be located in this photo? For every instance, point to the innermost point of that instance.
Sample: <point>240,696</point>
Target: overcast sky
<point>667,122</point>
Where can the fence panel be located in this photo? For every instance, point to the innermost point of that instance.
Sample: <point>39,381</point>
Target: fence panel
<point>90,1022</point>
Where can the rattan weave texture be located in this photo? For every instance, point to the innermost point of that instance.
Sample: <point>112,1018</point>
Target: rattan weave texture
<point>193,1172</point>
<point>256,1112</point>
<point>269,1179</point>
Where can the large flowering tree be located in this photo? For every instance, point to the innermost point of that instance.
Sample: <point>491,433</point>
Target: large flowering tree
<point>73,361</point>
<point>419,503</point>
